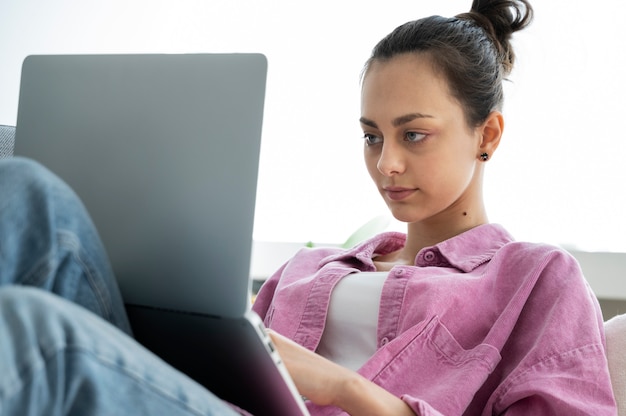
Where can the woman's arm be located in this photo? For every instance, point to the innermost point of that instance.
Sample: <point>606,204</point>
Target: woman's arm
<point>326,383</point>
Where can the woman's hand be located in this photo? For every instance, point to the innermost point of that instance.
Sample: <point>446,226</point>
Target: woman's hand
<point>326,383</point>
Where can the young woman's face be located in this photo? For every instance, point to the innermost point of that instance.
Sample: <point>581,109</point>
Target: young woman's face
<point>419,150</point>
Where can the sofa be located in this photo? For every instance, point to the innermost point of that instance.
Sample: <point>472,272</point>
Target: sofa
<point>7,139</point>
<point>615,328</point>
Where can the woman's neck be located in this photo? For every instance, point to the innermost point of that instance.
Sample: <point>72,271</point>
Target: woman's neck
<point>429,233</point>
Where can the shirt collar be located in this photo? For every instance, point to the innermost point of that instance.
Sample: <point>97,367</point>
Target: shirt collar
<point>363,253</point>
<point>465,251</point>
<point>470,249</point>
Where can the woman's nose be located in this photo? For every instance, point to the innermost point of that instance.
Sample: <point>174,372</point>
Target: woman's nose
<point>391,160</point>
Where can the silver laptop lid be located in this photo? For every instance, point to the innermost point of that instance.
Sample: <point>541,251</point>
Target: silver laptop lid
<point>164,151</point>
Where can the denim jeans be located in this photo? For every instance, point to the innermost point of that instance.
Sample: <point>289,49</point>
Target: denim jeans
<point>65,344</point>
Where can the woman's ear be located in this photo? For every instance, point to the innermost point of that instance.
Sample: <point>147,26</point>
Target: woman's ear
<point>491,132</point>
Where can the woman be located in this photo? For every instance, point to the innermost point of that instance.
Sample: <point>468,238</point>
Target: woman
<point>463,319</point>
<point>453,317</point>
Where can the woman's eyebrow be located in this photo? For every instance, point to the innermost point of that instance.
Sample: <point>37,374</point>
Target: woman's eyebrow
<point>368,122</point>
<point>398,121</point>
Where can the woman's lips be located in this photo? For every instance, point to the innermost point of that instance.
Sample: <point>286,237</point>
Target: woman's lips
<point>398,193</point>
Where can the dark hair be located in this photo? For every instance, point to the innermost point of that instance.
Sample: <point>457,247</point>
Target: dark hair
<point>472,50</point>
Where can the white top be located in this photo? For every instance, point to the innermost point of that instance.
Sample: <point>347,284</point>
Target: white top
<point>349,337</point>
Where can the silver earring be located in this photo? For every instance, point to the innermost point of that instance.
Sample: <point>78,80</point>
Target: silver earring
<point>484,157</point>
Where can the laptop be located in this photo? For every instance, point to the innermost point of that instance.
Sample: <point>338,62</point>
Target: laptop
<point>164,152</point>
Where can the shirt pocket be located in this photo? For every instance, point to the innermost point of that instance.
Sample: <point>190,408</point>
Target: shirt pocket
<point>427,363</point>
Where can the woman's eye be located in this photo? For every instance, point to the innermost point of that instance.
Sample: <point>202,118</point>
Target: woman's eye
<point>413,136</point>
<point>371,139</point>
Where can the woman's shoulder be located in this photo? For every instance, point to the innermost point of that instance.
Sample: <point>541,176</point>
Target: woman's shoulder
<point>547,265</point>
<point>531,252</point>
<point>503,244</point>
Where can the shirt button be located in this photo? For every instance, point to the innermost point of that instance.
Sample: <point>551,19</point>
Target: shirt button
<point>384,341</point>
<point>429,256</point>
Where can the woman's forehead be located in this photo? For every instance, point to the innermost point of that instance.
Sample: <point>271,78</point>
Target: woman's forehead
<point>405,81</point>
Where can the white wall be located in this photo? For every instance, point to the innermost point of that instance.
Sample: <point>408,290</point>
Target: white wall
<point>605,272</point>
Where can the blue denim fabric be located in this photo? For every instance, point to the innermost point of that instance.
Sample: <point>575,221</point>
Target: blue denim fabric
<point>58,358</point>
<point>47,240</point>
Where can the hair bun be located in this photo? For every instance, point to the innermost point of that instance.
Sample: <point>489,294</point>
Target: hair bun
<point>500,19</point>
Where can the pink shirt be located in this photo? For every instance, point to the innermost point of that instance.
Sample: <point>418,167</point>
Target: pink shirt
<point>480,325</point>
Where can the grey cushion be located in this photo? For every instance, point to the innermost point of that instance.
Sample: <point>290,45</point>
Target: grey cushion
<point>7,141</point>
